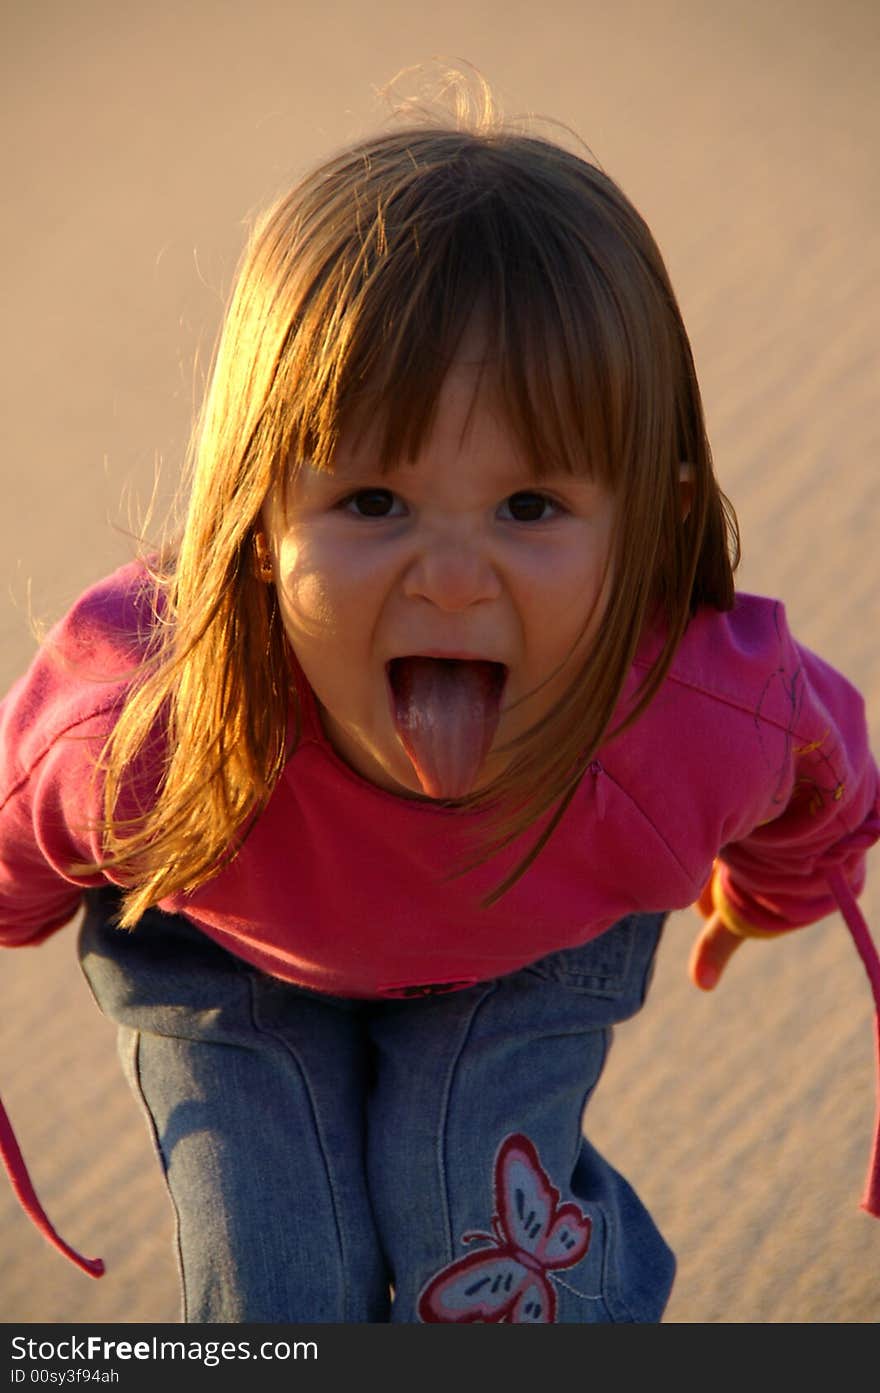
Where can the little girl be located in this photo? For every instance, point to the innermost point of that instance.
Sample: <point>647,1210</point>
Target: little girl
<point>380,785</point>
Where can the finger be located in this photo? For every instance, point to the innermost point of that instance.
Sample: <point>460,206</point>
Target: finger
<point>711,953</point>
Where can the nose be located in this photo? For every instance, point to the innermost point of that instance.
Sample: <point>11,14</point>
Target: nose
<point>453,573</point>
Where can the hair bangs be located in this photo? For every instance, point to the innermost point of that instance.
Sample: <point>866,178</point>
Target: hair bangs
<point>463,265</point>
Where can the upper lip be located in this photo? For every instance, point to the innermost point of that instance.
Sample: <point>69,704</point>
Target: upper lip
<point>460,655</point>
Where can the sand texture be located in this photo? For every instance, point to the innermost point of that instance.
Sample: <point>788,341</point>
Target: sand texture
<point>747,136</point>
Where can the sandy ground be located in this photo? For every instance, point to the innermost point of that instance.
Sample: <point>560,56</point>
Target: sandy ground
<point>746,134</point>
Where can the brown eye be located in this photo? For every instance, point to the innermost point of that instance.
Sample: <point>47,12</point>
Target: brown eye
<point>528,507</point>
<point>371,503</point>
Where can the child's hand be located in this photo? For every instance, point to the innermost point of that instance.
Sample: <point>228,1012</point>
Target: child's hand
<point>712,952</point>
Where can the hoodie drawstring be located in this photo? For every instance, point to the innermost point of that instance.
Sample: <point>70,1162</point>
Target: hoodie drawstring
<point>27,1196</point>
<point>855,922</point>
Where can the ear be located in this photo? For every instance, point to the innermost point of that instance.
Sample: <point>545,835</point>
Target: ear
<point>686,476</point>
<point>262,559</point>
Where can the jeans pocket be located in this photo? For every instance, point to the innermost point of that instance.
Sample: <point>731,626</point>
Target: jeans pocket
<point>614,968</point>
<point>600,967</point>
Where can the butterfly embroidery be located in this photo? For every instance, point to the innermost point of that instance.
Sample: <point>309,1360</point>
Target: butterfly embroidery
<point>533,1234</point>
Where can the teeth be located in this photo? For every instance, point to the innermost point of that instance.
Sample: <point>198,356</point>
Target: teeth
<point>446,712</point>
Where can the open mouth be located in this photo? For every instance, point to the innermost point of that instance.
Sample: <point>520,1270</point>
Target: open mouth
<point>446,713</point>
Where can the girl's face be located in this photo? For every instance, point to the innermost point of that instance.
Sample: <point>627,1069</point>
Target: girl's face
<point>460,554</point>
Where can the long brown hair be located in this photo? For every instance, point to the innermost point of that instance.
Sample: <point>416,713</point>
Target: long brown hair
<point>351,297</point>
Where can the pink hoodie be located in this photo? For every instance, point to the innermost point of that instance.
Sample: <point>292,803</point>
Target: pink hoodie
<point>754,752</point>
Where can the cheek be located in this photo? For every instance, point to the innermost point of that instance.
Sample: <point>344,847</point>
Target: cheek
<point>307,599</point>
<point>312,593</point>
<point>569,595</point>
<point>313,619</point>
<point>564,617</point>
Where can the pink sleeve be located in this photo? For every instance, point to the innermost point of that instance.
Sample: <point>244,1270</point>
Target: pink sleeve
<point>53,725</point>
<point>825,809</point>
<point>44,829</point>
<point>42,832</point>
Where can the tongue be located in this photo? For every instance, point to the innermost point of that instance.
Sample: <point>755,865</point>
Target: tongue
<point>446,713</point>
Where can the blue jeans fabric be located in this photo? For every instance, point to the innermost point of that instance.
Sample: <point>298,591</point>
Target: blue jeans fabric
<point>325,1156</point>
